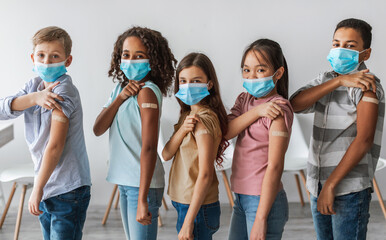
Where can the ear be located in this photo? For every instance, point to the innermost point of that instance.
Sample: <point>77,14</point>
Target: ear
<point>32,58</point>
<point>210,84</point>
<point>68,61</point>
<point>367,54</point>
<point>279,73</point>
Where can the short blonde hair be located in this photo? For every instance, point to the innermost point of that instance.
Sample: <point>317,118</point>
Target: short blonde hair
<point>53,33</point>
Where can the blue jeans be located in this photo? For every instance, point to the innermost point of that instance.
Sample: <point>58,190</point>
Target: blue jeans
<point>64,215</point>
<point>349,222</point>
<point>206,223</point>
<point>129,202</point>
<point>244,213</point>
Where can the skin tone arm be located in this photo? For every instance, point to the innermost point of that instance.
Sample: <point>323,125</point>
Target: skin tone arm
<point>150,119</point>
<point>206,156</point>
<point>52,154</point>
<point>270,110</point>
<point>175,141</point>
<point>106,117</point>
<point>45,99</point>
<point>271,182</point>
<point>367,115</point>
<point>308,97</point>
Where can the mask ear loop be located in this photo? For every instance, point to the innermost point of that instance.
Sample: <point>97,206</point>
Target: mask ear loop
<point>274,75</point>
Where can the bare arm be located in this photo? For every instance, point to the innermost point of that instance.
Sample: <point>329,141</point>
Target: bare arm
<point>310,96</point>
<point>106,117</point>
<point>278,143</point>
<point>269,109</point>
<point>51,157</point>
<point>175,141</point>
<point>206,156</point>
<point>149,119</point>
<point>367,115</point>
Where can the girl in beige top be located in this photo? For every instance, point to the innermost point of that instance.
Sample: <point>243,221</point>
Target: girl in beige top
<point>197,143</point>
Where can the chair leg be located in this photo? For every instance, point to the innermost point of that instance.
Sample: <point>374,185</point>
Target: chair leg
<point>227,187</point>
<point>117,201</point>
<point>164,203</point>
<point>159,221</point>
<point>20,213</point>
<point>379,195</point>
<point>7,205</point>
<point>301,172</point>
<point>109,205</point>
<point>299,189</point>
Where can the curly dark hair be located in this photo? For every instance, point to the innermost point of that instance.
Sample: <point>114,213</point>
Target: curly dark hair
<point>213,101</point>
<point>161,58</point>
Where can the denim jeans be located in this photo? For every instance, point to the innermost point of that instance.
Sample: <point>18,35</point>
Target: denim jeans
<point>349,222</point>
<point>206,223</point>
<point>244,213</point>
<point>64,215</point>
<point>129,202</point>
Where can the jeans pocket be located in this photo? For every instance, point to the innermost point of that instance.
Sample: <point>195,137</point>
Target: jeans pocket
<point>212,216</point>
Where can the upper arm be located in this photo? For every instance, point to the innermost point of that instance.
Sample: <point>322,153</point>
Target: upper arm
<point>237,109</point>
<point>367,116</point>
<point>278,142</point>
<point>59,128</point>
<point>206,148</point>
<point>149,108</point>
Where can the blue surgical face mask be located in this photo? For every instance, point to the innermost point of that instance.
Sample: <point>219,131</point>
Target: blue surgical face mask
<point>344,60</point>
<point>135,69</point>
<point>50,72</point>
<point>259,87</point>
<point>192,93</point>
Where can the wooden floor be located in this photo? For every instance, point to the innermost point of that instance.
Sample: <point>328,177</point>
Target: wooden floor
<point>298,227</point>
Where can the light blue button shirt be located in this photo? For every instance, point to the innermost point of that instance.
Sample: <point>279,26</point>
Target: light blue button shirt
<point>126,142</point>
<point>73,169</point>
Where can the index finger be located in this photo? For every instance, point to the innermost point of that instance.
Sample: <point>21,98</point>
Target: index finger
<point>56,96</point>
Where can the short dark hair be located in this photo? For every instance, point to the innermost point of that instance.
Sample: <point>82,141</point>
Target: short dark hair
<point>361,26</point>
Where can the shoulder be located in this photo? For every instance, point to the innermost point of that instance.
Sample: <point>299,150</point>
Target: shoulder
<point>150,92</point>
<point>65,87</point>
<point>242,97</point>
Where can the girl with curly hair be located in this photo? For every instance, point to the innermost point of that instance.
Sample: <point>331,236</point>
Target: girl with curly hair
<point>197,143</point>
<point>143,64</point>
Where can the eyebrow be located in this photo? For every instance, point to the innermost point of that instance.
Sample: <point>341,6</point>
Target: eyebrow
<point>336,40</point>
<point>259,65</point>
<point>135,52</point>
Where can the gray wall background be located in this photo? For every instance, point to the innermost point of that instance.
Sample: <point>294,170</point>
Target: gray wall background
<point>220,29</point>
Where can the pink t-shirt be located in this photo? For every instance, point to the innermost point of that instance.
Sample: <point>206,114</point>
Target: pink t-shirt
<point>250,158</point>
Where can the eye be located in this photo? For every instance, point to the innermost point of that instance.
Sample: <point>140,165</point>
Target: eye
<point>350,46</point>
<point>41,55</point>
<point>246,70</point>
<point>335,44</point>
<point>260,70</point>
<point>140,57</point>
<point>182,81</point>
<point>125,55</point>
<point>196,81</point>
<point>55,56</point>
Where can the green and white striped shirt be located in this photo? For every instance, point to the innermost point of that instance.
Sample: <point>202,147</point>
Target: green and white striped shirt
<point>335,128</point>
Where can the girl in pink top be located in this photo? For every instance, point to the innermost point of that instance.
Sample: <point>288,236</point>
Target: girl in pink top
<point>261,119</point>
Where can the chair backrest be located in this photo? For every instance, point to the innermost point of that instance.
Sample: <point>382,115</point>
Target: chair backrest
<point>298,146</point>
<point>161,143</point>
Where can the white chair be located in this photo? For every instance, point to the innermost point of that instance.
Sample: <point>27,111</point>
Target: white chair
<point>381,164</point>
<point>296,157</point>
<point>227,164</point>
<point>23,175</point>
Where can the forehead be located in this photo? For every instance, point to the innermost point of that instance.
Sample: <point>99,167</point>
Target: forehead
<point>51,46</point>
<point>253,58</point>
<point>192,72</point>
<point>348,34</point>
<point>133,44</point>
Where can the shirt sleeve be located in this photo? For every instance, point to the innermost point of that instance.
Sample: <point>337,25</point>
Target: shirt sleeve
<point>6,112</point>
<point>356,94</point>
<point>113,95</point>
<point>315,82</point>
<point>210,121</point>
<point>69,93</point>
<point>237,109</point>
<point>288,117</point>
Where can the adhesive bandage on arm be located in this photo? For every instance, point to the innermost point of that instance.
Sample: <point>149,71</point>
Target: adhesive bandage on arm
<point>202,131</point>
<point>59,118</point>
<point>279,134</point>
<point>370,99</point>
<point>149,105</point>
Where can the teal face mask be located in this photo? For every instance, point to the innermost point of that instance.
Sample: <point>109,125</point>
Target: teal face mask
<point>259,87</point>
<point>50,72</point>
<point>343,60</point>
<point>192,93</point>
<point>135,69</point>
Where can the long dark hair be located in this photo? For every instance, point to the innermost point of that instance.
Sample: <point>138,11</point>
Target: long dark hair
<point>213,101</point>
<point>273,55</point>
<point>161,58</point>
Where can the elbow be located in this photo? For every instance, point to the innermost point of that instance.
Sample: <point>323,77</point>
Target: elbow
<point>276,168</point>
<point>149,149</point>
<point>97,131</point>
<point>366,142</point>
<point>206,177</point>
<point>165,155</point>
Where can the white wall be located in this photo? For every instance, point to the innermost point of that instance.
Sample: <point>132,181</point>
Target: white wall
<point>220,29</point>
